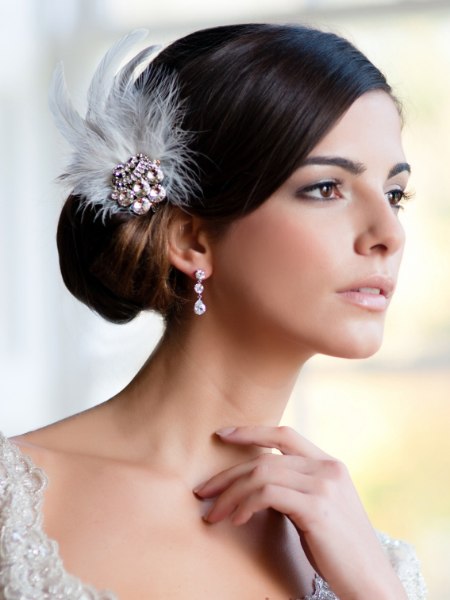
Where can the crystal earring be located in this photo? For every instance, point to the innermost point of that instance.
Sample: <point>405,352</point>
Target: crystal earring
<point>199,306</point>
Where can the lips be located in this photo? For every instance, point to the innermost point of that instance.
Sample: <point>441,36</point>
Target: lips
<point>372,293</point>
<point>368,290</point>
<point>374,284</point>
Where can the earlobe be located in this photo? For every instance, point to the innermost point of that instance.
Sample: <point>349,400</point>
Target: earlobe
<point>189,245</point>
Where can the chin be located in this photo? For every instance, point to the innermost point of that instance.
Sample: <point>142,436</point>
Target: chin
<point>359,345</point>
<point>359,350</point>
<point>359,353</point>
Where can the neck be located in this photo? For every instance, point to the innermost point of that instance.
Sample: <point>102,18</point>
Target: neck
<point>194,384</point>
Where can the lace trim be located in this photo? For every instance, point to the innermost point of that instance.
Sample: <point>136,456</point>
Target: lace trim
<point>321,591</point>
<point>406,564</point>
<point>30,565</point>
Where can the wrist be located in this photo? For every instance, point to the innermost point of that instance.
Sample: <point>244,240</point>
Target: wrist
<point>379,584</point>
<point>388,589</point>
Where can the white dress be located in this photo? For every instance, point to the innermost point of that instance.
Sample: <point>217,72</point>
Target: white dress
<point>30,565</point>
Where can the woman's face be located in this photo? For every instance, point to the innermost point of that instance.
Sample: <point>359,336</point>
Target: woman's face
<point>317,263</point>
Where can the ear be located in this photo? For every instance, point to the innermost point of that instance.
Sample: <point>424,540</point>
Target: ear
<point>189,245</point>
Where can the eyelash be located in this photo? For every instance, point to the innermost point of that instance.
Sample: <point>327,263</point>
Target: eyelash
<point>401,199</point>
<point>396,197</point>
<point>330,185</point>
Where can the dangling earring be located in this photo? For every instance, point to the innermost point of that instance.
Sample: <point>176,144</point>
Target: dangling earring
<point>199,306</point>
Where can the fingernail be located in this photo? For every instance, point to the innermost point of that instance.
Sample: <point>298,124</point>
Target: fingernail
<point>197,489</point>
<point>205,517</point>
<point>225,431</point>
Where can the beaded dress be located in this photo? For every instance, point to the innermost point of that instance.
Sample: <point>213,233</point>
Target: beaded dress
<point>30,565</point>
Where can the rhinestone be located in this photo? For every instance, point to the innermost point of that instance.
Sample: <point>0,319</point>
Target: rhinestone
<point>157,194</point>
<point>198,287</point>
<point>199,307</point>
<point>141,188</point>
<point>200,274</point>
<point>141,206</point>
<point>124,200</point>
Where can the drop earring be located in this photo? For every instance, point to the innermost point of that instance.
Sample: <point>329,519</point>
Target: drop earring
<point>199,306</point>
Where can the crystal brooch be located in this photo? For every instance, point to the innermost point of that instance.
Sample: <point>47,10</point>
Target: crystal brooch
<point>136,184</point>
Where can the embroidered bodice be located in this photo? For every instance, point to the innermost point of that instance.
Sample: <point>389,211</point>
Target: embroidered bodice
<point>30,565</point>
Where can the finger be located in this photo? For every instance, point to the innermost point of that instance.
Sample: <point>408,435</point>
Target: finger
<point>253,485</point>
<point>218,483</point>
<point>292,503</point>
<point>285,439</point>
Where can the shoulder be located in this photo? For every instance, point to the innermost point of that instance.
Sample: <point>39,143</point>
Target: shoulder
<point>81,434</point>
<point>26,463</point>
<point>403,558</point>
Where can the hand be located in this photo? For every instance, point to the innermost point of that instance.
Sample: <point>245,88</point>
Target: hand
<point>316,493</point>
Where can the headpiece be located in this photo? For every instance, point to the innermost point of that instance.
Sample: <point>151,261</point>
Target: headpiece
<point>129,152</point>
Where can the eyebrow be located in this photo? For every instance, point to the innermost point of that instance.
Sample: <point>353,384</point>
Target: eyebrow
<point>353,167</point>
<point>399,168</point>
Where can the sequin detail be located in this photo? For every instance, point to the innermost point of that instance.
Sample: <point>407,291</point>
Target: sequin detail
<point>30,565</point>
<point>404,560</point>
<point>406,564</point>
<point>321,591</point>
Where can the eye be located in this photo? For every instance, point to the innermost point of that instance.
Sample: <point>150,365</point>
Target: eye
<point>322,190</point>
<point>396,198</point>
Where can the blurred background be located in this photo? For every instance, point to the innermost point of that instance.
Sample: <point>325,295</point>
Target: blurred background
<point>387,417</point>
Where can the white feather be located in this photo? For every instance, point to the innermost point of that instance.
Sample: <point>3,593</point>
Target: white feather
<point>121,121</point>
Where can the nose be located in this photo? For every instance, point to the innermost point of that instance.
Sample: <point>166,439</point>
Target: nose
<point>381,231</point>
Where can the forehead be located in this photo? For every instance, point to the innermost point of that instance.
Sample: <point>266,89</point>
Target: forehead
<point>369,128</point>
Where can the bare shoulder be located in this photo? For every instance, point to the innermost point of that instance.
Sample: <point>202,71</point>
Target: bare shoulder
<point>74,436</point>
<point>73,455</point>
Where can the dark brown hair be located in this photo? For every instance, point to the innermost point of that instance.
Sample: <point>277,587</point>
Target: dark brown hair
<point>258,98</point>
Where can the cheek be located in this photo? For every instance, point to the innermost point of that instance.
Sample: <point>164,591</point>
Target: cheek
<point>278,257</point>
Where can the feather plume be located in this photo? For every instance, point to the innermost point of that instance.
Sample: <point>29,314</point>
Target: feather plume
<point>123,120</point>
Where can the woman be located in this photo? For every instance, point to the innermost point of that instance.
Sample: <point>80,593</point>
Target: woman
<point>246,184</point>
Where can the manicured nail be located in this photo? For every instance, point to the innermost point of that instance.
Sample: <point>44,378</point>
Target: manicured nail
<point>197,488</point>
<point>205,517</point>
<point>225,431</point>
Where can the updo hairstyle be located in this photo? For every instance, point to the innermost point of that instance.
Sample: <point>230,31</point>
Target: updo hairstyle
<point>258,98</point>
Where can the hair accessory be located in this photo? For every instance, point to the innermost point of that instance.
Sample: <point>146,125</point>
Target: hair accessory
<point>133,115</point>
<point>199,306</point>
<point>137,184</point>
